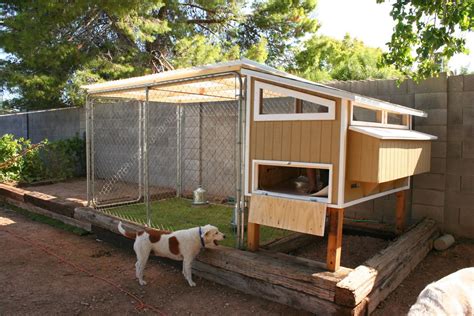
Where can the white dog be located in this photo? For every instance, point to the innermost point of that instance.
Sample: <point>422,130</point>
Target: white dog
<point>179,245</point>
<point>452,295</point>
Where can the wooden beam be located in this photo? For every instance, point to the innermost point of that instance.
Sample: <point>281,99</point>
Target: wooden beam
<point>400,213</point>
<point>336,219</point>
<point>377,273</point>
<point>253,236</point>
<point>290,243</point>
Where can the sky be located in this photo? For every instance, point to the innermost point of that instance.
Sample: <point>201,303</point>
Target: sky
<point>371,23</point>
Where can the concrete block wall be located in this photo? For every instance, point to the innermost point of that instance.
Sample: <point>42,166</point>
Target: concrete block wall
<point>459,194</point>
<point>53,124</point>
<point>446,193</point>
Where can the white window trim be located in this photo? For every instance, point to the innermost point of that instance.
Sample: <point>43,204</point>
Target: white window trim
<point>384,118</point>
<point>330,104</point>
<point>255,190</point>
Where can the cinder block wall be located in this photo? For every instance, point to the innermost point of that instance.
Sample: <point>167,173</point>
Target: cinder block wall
<point>446,193</point>
<point>53,124</point>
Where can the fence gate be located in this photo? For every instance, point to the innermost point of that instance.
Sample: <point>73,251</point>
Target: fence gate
<point>116,151</point>
<point>164,141</point>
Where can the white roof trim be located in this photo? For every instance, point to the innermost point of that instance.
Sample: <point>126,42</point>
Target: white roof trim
<point>251,68</point>
<point>392,133</point>
<point>391,107</point>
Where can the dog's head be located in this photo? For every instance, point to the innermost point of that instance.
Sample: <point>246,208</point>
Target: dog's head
<point>211,235</point>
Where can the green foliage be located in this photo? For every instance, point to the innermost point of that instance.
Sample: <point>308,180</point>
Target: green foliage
<point>323,59</point>
<point>54,47</point>
<point>427,34</point>
<point>26,163</point>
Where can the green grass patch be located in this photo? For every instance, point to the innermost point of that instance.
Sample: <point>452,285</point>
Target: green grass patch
<point>45,219</point>
<point>177,213</point>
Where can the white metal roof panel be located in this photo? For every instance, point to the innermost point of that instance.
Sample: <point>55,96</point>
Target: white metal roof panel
<point>254,67</point>
<point>392,133</point>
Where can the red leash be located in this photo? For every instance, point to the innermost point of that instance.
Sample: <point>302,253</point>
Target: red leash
<point>140,304</point>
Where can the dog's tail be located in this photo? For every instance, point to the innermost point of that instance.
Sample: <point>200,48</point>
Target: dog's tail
<point>126,233</point>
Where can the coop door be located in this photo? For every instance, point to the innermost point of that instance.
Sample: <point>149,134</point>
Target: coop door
<point>300,216</point>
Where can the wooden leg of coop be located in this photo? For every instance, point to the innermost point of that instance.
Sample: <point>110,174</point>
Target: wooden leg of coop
<point>253,236</point>
<point>400,215</point>
<point>336,219</point>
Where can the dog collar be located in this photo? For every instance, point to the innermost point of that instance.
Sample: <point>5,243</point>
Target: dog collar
<point>200,237</point>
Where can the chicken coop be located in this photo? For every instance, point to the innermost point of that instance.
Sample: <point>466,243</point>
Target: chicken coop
<point>285,152</point>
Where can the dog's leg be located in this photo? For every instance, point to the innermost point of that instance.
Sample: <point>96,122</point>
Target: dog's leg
<point>142,257</point>
<point>187,271</point>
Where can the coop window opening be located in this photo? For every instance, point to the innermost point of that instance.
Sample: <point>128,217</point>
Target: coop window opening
<point>276,103</point>
<point>294,180</point>
<point>363,115</point>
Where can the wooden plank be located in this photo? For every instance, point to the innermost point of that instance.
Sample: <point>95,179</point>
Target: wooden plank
<point>57,216</point>
<point>12,192</point>
<point>399,274</point>
<point>277,269</point>
<point>373,273</point>
<point>305,141</point>
<point>326,130</point>
<point>109,222</point>
<point>275,293</point>
<point>315,141</point>
<point>333,258</point>
<point>296,215</point>
<point>295,141</point>
<point>277,140</point>
<point>290,243</point>
<point>268,145</point>
<point>286,141</point>
<point>253,236</point>
<point>260,139</point>
<point>400,213</point>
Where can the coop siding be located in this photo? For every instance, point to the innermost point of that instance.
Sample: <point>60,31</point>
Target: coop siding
<point>400,159</point>
<point>301,141</point>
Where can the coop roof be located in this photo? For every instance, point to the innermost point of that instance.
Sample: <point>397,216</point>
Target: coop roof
<point>391,133</point>
<point>169,86</point>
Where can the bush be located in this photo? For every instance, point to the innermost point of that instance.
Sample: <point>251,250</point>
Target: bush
<point>27,163</point>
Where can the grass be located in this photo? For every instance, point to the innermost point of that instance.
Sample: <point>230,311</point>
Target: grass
<point>45,220</point>
<point>177,213</point>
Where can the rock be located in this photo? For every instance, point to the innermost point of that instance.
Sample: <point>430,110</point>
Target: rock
<point>443,242</point>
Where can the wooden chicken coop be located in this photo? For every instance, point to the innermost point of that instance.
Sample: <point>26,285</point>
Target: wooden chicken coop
<point>290,152</point>
<point>302,149</point>
<point>313,149</point>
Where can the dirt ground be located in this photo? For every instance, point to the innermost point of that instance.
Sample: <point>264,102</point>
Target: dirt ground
<point>34,282</point>
<point>353,255</point>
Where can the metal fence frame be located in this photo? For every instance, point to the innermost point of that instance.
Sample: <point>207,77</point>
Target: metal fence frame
<point>143,152</point>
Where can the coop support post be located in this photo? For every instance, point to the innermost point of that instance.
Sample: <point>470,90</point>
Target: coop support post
<point>336,219</point>
<point>145,160</point>
<point>400,212</point>
<point>253,236</point>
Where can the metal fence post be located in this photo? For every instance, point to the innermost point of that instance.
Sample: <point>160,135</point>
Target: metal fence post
<point>145,159</point>
<point>179,177</point>
<point>88,151</point>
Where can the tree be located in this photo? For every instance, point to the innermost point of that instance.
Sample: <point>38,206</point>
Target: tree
<point>324,58</point>
<point>427,34</point>
<point>55,46</point>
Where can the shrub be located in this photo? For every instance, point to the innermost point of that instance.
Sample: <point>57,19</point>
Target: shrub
<point>28,163</point>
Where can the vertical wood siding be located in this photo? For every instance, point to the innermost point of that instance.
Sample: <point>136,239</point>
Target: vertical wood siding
<point>299,141</point>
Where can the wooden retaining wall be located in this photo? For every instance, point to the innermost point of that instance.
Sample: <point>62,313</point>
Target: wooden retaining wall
<point>297,282</point>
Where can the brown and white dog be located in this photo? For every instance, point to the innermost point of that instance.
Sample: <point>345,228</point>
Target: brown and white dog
<point>179,245</point>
